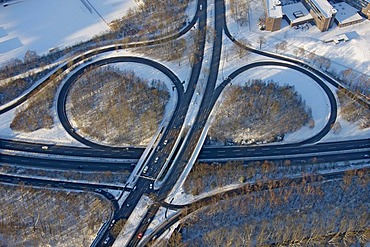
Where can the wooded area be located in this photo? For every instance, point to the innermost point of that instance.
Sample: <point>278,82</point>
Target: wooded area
<point>43,217</point>
<point>314,213</point>
<point>117,107</point>
<point>352,111</point>
<point>259,111</point>
<point>151,18</point>
<point>36,113</point>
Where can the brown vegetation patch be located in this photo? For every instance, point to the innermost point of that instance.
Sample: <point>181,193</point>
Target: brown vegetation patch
<point>334,212</point>
<point>259,111</point>
<point>152,17</point>
<point>42,217</point>
<point>36,114</point>
<point>117,107</point>
<point>352,111</point>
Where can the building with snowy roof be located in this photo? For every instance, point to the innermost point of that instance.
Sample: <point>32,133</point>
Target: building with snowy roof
<point>322,12</point>
<point>274,15</point>
<point>362,5</point>
<point>296,14</point>
<point>346,15</point>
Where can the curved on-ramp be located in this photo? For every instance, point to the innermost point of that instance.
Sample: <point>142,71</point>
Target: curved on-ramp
<point>62,97</point>
<point>95,51</point>
<point>333,103</point>
<point>318,72</point>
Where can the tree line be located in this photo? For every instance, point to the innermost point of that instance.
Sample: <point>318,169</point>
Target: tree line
<point>36,112</point>
<point>152,18</point>
<point>310,213</point>
<point>206,177</point>
<point>354,80</point>
<point>11,89</point>
<point>352,111</point>
<point>160,18</point>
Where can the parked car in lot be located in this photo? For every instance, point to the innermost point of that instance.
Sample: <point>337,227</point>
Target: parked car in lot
<point>156,159</point>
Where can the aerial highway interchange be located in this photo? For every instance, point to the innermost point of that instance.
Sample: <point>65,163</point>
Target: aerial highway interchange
<point>159,171</point>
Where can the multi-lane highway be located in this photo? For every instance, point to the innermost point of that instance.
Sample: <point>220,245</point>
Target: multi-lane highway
<point>230,152</point>
<point>172,132</point>
<point>205,108</point>
<point>119,159</point>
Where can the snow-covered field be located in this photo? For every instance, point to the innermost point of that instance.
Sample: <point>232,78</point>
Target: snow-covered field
<point>43,24</point>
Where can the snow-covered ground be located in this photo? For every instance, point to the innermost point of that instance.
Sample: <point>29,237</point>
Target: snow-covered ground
<point>72,218</point>
<point>161,217</point>
<point>147,73</point>
<point>183,198</point>
<point>133,221</point>
<point>351,54</point>
<point>58,135</point>
<point>42,24</point>
<point>313,95</point>
<point>343,56</point>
